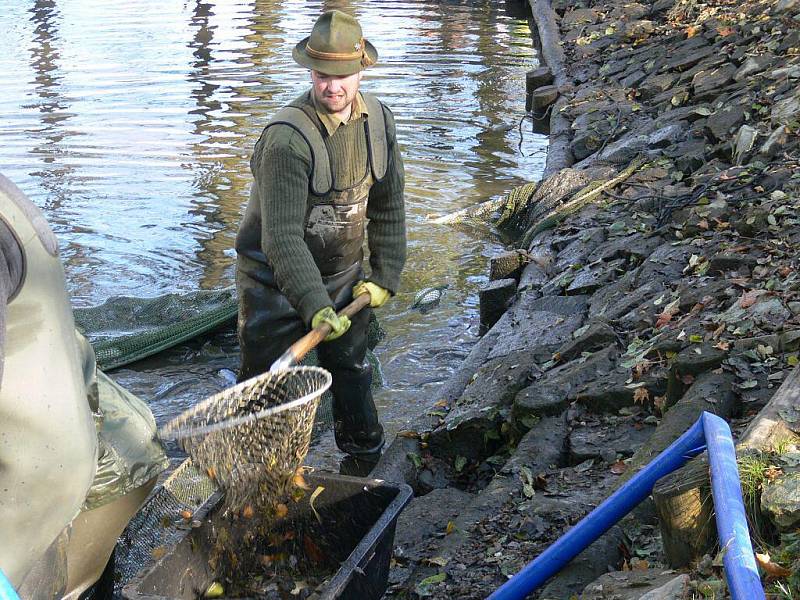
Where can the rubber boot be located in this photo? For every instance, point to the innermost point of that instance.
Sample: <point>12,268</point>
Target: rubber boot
<point>355,419</point>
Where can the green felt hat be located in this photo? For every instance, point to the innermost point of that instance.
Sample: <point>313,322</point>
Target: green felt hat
<point>336,46</point>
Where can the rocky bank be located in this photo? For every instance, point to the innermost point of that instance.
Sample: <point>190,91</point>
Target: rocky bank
<point>655,275</point>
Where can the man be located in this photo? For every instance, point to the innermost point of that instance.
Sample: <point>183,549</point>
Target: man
<point>78,454</point>
<point>326,168</point>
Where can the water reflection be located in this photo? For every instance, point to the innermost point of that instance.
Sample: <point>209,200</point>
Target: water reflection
<point>132,125</point>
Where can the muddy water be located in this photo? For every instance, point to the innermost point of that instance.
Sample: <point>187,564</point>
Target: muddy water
<point>131,124</point>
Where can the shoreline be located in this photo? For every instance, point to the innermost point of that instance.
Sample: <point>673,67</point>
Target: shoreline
<point>654,278</point>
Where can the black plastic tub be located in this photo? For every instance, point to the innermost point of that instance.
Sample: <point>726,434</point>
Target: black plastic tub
<point>352,524</point>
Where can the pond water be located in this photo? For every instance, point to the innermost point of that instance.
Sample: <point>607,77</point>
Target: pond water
<point>131,125</point>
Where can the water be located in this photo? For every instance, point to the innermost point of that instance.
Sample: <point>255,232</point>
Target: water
<point>131,125</point>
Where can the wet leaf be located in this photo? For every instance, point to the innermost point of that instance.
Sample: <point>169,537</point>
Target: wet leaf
<point>415,458</point>
<point>215,590</point>
<point>423,587</point>
<point>314,496</point>
<point>770,568</point>
<point>451,527</point>
<point>641,395</point>
<point>792,360</point>
<point>618,468</point>
<point>460,463</point>
<point>248,512</point>
<point>299,586</point>
<point>695,338</point>
<point>281,510</point>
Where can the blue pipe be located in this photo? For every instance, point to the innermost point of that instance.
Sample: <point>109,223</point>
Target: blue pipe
<point>7,591</point>
<point>740,567</point>
<point>602,518</point>
<point>741,571</point>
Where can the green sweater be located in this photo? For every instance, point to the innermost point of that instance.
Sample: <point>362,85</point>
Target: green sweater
<point>272,231</point>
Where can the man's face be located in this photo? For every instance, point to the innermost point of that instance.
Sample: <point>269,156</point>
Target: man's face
<point>335,92</point>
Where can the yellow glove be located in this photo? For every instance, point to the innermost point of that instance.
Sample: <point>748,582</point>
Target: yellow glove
<point>339,325</point>
<point>378,295</point>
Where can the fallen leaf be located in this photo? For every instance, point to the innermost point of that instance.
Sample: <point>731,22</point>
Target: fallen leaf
<point>314,496</point>
<point>281,510</point>
<point>451,527</point>
<point>409,433</point>
<point>312,550</point>
<point>660,403</point>
<point>749,298</point>
<point>691,31</point>
<point>770,568</point>
<point>618,468</point>
<point>641,395</point>
<point>186,514</point>
<point>724,346</point>
<point>158,552</point>
<point>439,561</point>
<point>215,590</point>
<point>248,512</point>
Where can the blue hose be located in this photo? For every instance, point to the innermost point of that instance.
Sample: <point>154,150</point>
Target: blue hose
<point>741,571</point>
<point>602,518</point>
<point>7,591</point>
<point>740,567</point>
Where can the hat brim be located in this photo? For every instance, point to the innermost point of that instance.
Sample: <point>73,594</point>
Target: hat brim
<point>333,67</point>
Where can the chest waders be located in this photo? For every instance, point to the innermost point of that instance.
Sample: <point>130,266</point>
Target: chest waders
<point>48,442</point>
<point>334,233</point>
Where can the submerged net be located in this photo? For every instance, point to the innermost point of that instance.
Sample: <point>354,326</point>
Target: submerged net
<point>252,438</point>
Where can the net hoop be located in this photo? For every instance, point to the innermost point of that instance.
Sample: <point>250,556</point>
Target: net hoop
<point>183,426</point>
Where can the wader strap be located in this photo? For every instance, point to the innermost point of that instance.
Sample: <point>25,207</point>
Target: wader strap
<point>297,119</point>
<point>376,137</point>
<point>321,174</point>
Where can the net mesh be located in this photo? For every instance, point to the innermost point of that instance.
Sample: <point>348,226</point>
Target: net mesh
<point>251,438</point>
<point>158,522</point>
<point>125,329</point>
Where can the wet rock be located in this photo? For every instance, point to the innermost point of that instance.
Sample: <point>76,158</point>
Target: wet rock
<point>580,16</point>
<point>592,129</point>
<point>507,265</point>
<point>754,65</point>
<point>785,111</point>
<point>776,142</point>
<point>689,155</point>
<point>720,125</point>
<point>786,5</point>
<point>636,30</point>
<point>770,314</point>
<point>676,589</point>
<point>591,337</point>
<point>591,277</point>
<point>550,394</point>
<point>494,300</point>
<point>395,465</point>
<point>585,567</point>
<point>683,59</point>
<point>609,394</point>
<point>533,277</point>
<point>618,438</point>
<point>665,264</point>
<point>710,81</point>
<point>629,11</point>
<point>724,262</point>
<point>743,143</point>
<point>631,585</point>
<point>425,516</point>
<point>546,321</point>
<point>780,500</point>
<point>635,245</point>
<point>618,299</point>
<point>656,84</point>
<point>579,249</point>
<point>633,79</point>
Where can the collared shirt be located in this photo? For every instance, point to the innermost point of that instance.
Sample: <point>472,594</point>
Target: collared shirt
<point>332,122</point>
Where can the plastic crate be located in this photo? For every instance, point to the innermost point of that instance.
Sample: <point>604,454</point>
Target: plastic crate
<point>357,520</point>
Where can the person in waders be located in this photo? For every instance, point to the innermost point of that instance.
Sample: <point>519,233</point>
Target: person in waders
<point>78,454</point>
<point>326,170</point>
